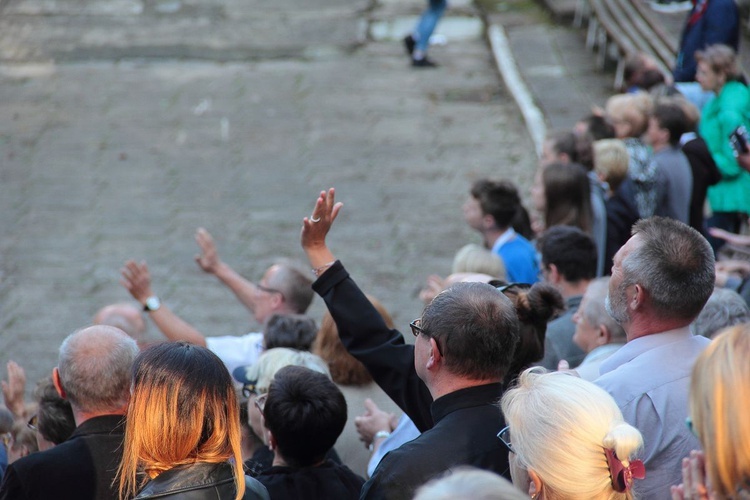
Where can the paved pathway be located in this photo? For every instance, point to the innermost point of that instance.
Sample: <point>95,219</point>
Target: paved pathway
<point>103,158</point>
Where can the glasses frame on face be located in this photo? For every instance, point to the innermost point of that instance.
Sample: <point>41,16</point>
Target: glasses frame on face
<point>270,290</point>
<point>504,437</point>
<point>260,402</point>
<point>32,423</point>
<point>416,329</point>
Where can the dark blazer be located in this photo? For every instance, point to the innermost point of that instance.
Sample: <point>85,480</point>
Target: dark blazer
<point>327,481</point>
<point>81,468</point>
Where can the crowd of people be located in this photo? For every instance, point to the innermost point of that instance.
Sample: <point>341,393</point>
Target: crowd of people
<point>592,347</point>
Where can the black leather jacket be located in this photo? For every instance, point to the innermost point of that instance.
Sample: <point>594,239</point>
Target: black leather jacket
<point>201,481</point>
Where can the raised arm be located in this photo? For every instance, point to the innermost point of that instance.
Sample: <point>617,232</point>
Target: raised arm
<point>209,261</point>
<point>137,280</point>
<point>362,330</point>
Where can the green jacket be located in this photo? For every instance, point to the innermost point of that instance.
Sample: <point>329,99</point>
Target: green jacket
<point>719,118</point>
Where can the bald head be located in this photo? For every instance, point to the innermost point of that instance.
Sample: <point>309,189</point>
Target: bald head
<point>94,369</point>
<point>126,317</point>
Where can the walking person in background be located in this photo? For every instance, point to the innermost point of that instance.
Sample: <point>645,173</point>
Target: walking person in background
<point>416,43</point>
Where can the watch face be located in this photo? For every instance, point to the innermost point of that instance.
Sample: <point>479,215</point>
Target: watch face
<point>153,303</point>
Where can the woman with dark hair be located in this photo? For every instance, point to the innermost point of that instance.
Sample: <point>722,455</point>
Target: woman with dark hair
<point>535,306</point>
<point>562,194</point>
<point>183,429</point>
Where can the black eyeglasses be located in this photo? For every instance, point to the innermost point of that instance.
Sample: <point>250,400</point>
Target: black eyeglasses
<point>502,288</point>
<point>416,329</point>
<point>31,424</point>
<point>249,389</point>
<point>260,402</point>
<point>504,436</point>
<point>270,290</point>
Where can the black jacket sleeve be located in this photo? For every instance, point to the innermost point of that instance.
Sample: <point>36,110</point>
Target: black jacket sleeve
<point>383,351</point>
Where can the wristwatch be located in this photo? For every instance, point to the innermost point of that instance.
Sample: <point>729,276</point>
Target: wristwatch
<point>152,304</point>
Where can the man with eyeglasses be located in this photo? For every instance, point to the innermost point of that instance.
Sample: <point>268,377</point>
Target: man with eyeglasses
<point>283,289</point>
<point>448,382</point>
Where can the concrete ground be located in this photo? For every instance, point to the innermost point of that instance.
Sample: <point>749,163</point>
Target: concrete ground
<point>126,125</point>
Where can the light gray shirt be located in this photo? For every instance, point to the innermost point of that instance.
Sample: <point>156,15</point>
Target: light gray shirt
<point>649,378</point>
<point>674,184</point>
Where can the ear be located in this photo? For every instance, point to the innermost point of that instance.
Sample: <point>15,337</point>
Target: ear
<point>638,299</point>
<point>535,485</point>
<point>553,274</point>
<point>563,157</point>
<point>488,221</point>
<point>270,440</point>
<point>435,356</point>
<point>58,383</point>
<point>603,337</point>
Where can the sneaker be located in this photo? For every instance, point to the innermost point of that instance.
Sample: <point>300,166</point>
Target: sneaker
<point>671,6</point>
<point>423,63</point>
<point>409,43</point>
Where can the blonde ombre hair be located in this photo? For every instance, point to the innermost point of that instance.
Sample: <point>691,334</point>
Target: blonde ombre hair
<point>183,410</point>
<point>719,399</point>
<point>560,427</point>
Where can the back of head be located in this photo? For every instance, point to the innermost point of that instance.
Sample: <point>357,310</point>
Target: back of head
<point>294,284</point>
<point>595,312</point>
<point>476,327</point>
<point>473,258</point>
<point>571,250</point>
<point>719,398</point>
<point>306,413</point>
<point>722,59</point>
<point>182,394</point>
<point>632,109</point>
<point>262,372</point>
<point>561,426</point>
<point>598,127</point>
<point>563,142</point>
<point>535,306</point>
<point>345,368</point>
<point>55,421</point>
<point>94,367</point>
<point>469,483</point>
<point>611,161</point>
<point>724,308</point>
<point>674,264</point>
<point>567,191</point>
<point>497,198</point>
<point>296,331</point>
<point>670,116</point>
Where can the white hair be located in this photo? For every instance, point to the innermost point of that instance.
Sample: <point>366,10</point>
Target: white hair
<point>560,426</point>
<point>471,484</point>
<point>277,358</point>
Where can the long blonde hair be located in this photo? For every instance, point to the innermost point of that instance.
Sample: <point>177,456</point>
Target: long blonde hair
<point>719,399</point>
<point>182,395</point>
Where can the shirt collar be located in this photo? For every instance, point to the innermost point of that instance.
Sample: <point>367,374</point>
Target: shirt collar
<point>636,347</point>
<point>504,238</point>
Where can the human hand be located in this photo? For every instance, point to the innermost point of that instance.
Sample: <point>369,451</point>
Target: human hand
<point>137,280</point>
<point>434,286</point>
<point>734,239</point>
<point>316,227</point>
<point>695,485</point>
<point>208,259</point>
<point>743,161</point>
<point>14,389</point>
<point>373,420</point>
<point>741,267</point>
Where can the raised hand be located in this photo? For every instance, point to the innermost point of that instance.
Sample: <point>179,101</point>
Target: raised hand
<point>316,227</point>
<point>208,259</point>
<point>14,388</point>
<point>137,280</point>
